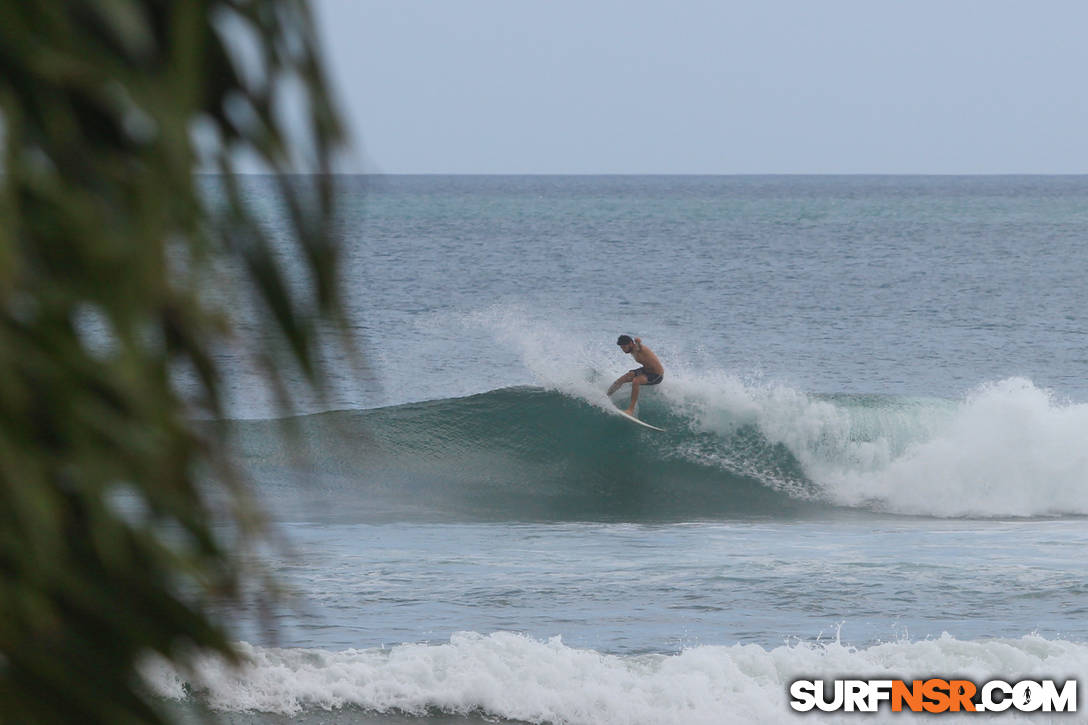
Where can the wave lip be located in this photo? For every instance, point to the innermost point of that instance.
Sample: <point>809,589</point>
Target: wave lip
<point>514,677</point>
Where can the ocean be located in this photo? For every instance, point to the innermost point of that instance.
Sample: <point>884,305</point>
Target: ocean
<point>874,464</point>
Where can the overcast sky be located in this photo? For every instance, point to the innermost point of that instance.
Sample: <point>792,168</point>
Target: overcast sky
<point>702,86</point>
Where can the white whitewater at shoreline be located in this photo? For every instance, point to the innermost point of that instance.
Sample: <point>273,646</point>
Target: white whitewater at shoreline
<point>511,676</point>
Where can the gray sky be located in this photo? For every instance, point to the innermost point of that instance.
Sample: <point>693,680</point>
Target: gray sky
<point>696,86</point>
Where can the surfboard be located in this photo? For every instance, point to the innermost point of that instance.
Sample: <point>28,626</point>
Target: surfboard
<point>628,416</point>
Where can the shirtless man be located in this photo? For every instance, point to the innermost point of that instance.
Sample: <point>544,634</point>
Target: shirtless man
<point>651,372</point>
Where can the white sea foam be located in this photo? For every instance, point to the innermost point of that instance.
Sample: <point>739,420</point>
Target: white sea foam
<point>1007,449</point>
<point>555,358</point>
<point>512,676</point>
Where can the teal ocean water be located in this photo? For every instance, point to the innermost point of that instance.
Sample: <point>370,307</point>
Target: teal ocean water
<point>874,462</point>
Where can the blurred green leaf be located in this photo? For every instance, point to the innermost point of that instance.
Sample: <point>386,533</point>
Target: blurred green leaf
<point>105,225</point>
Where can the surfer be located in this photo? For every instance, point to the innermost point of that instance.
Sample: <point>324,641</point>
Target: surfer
<point>651,372</point>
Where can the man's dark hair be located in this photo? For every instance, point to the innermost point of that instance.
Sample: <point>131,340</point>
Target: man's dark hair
<point>624,340</point>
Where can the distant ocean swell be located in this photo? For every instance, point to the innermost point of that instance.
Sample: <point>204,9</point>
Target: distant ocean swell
<point>517,678</point>
<point>1006,449</point>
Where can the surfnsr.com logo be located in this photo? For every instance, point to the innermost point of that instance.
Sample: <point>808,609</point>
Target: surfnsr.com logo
<point>934,695</point>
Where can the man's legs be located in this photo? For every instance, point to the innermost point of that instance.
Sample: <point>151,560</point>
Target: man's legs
<point>636,381</point>
<point>625,378</point>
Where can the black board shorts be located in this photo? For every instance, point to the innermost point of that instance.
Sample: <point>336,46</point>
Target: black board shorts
<point>651,378</point>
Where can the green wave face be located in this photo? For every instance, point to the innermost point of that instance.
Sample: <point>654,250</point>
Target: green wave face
<point>517,454</point>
